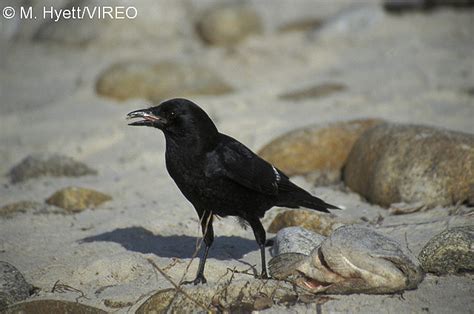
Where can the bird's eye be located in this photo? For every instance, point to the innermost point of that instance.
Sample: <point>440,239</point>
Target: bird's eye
<point>172,114</point>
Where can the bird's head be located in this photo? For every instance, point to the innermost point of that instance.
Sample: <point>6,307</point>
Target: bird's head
<point>176,118</point>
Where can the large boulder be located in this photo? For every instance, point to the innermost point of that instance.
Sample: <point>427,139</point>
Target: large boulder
<point>322,149</point>
<point>394,163</point>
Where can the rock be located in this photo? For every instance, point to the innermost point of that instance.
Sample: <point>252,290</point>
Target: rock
<point>75,199</point>
<point>395,163</point>
<point>13,286</point>
<point>236,296</point>
<point>157,303</point>
<point>321,90</point>
<point>352,259</point>
<point>320,150</point>
<point>43,164</point>
<point>262,303</point>
<point>323,224</point>
<point>227,25</point>
<point>324,177</point>
<point>9,210</point>
<point>36,208</point>
<point>116,304</point>
<point>301,25</point>
<point>159,81</point>
<point>405,5</point>
<point>404,208</point>
<point>449,252</point>
<point>295,240</point>
<point>398,6</point>
<point>52,306</point>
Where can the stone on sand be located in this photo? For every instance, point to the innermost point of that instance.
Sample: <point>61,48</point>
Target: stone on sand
<point>159,81</point>
<point>52,306</point>
<point>11,209</point>
<point>449,252</point>
<point>399,6</point>
<point>316,149</point>
<point>323,224</point>
<point>13,286</point>
<point>46,164</point>
<point>116,304</point>
<point>226,25</point>
<point>353,259</point>
<point>395,163</point>
<point>296,240</point>
<point>322,90</point>
<point>234,296</point>
<point>76,199</point>
<point>301,25</point>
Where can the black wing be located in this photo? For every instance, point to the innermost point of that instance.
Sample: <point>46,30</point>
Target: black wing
<point>235,161</point>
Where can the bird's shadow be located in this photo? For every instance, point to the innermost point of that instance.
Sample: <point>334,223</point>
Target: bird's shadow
<point>141,240</point>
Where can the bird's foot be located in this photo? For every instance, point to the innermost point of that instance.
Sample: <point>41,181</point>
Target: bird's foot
<point>200,279</point>
<point>263,275</point>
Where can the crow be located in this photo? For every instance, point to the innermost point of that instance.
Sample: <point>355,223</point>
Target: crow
<point>218,174</point>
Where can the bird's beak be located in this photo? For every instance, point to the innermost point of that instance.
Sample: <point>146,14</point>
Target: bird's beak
<point>148,118</point>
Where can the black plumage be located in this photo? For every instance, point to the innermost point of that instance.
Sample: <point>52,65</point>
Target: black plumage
<point>218,174</point>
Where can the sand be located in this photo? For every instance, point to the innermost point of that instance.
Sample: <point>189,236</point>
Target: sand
<point>413,68</point>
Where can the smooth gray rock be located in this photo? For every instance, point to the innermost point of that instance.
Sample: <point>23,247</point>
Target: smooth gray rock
<point>295,240</point>
<point>352,259</point>
<point>451,251</point>
<point>13,286</point>
<point>43,164</point>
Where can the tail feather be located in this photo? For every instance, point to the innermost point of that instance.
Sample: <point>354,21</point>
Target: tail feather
<point>304,199</point>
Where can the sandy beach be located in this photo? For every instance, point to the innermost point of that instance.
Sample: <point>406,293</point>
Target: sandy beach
<point>409,68</point>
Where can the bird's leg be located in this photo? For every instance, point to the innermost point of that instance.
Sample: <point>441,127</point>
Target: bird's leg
<point>208,234</point>
<point>260,236</point>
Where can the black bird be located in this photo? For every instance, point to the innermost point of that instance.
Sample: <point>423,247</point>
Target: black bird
<point>218,174</point>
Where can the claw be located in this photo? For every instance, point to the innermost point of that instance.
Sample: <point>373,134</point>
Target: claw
<point>200,279</point>
<point>263,275</point>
